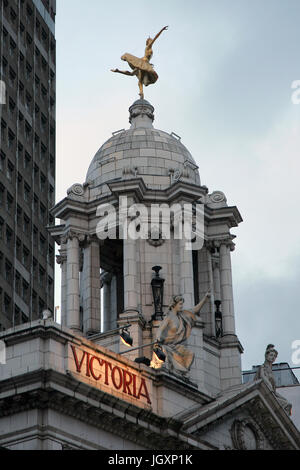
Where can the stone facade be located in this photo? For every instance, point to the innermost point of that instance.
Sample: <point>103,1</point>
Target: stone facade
<point>46,404</point>
<point>75,385</point>
<point>149,167</point>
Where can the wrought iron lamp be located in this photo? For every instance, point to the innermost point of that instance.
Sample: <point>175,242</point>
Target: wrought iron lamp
<point>218,319</point>
<point>157,285</point>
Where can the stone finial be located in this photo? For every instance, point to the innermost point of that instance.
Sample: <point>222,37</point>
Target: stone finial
<point>141,114</point>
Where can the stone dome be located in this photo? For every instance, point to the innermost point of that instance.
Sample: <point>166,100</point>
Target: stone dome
<point>142,152</point>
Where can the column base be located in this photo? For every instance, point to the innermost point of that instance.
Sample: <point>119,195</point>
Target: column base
<point>75,330</point>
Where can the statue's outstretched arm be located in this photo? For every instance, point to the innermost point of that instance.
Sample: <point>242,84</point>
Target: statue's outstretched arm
<point>124,72</point>
<point>198,307</point>
<point>158,34</point>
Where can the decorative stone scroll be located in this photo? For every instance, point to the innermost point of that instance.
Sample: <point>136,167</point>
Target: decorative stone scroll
<point>217,196</point>
<point>76,190</point>
<point>177,173</point>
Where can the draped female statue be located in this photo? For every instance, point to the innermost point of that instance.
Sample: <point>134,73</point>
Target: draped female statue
<point>175,330</point>
<point>265,372</point>
<point>141,67</point>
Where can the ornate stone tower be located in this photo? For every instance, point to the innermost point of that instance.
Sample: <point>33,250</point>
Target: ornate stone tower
<point>148,166</point>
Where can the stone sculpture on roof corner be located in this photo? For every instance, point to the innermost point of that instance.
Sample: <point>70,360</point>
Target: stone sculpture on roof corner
<point>265,373</point>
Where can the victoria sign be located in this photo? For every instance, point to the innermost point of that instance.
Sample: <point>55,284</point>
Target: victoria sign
<point>109,375</point>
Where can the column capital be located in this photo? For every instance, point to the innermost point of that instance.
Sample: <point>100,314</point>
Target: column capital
<point>228,243</point>
<point>216,244</point>
<point>71,234</point>
<point>61,259</point>
<point>210,245</point>
<point>91,238</point>
<point>105,277</point>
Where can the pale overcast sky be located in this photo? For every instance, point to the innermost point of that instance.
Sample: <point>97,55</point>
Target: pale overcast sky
<point>225,73</point>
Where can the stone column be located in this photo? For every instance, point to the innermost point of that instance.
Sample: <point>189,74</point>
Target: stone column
<point>212,293</point>
<point>91,287</point>
<point>204,285</point>
<point>73,300</point>
<point>216,275</point>
<point>130,276</point>
<point>186,275</point>
<point>226,287</point>
<point>106,278</point>
<point>62,260</point>
<point>113,302</point>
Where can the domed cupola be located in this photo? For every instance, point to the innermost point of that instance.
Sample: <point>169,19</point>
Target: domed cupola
<point>141,194</point>
<point>142,151</point>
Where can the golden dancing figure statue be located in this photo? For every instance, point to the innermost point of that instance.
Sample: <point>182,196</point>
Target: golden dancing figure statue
<point>142,68</point>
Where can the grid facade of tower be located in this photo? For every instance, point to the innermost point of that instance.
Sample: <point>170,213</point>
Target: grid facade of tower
<point>27,159</point>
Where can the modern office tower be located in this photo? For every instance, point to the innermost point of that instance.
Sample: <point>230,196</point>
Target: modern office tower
<point>27,159</point>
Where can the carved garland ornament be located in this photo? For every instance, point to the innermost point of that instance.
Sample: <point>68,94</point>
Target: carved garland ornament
<point>155,237</point>
<point>239,431</point>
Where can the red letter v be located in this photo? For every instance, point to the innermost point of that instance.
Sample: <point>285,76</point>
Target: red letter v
<point>78,364</point>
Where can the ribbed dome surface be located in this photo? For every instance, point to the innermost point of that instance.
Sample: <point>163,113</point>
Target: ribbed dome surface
<point>143,152</point>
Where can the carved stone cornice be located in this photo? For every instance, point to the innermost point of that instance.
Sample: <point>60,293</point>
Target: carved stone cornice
<point>127,421</point>
<point>275,435</point>
<point>253,400</point>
